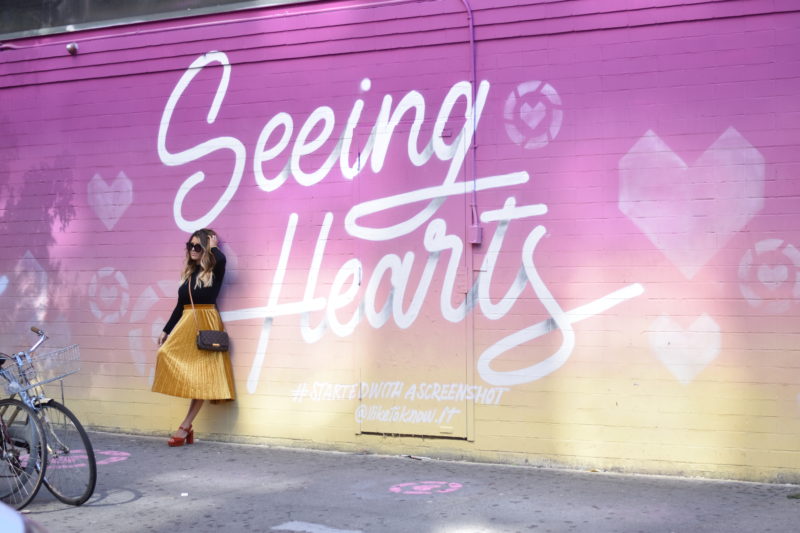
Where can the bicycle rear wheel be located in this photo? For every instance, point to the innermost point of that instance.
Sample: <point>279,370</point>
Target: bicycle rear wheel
<point>23,454</point>
<point>71,467</point>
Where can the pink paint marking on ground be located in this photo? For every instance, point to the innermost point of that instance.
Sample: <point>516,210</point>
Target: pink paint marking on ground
<point>78,458</point>
<point>425,487</point>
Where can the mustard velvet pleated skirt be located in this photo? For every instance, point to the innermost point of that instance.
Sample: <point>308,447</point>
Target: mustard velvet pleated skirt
<point>183,370</point>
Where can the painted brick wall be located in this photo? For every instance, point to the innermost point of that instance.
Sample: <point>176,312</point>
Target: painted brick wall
<point>571,240</point>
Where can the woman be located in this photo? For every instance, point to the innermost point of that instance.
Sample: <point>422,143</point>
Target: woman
<point>182,369</point>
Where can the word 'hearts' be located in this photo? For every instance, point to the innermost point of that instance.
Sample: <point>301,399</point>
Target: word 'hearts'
<point>685,352</point>
<point>110,202</point>
<point>690,212</point>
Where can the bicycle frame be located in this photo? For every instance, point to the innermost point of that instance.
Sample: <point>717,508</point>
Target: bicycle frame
<point>36,396</point>
<point>62,430</point>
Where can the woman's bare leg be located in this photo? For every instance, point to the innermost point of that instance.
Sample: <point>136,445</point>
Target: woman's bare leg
<point>194,408</point>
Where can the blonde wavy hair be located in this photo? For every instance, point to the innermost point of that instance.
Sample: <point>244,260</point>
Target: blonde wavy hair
<point>207,260</point>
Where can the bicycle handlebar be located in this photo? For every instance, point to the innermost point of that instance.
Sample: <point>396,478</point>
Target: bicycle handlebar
<point>42,338</point>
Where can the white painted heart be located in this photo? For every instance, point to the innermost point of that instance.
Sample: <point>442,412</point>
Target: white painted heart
<point>3,284</point>
<point>690,212</point>
<point>110,202</point>
<point>516,112</point>
<point>685,352</point>
<point>533,116</point>
<point>772,276</point>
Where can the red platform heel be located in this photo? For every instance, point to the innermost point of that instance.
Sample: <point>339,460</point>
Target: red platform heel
<point>174,441</point>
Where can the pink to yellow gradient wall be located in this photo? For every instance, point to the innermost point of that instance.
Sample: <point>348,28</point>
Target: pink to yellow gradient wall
<point>549,233</point>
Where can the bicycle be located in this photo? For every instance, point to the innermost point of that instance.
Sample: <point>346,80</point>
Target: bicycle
<point>23,453</point>
<point>70,470</point>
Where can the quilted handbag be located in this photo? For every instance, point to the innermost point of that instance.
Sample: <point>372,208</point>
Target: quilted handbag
<point>212,340</point>
<point>208,339</point>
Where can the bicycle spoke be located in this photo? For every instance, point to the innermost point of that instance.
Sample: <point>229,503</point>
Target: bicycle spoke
<point>71,469</point>
<point>22,454</point>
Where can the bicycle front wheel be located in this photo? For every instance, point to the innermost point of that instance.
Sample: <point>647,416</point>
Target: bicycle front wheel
<point>23,453</point>
<point>71,467</point>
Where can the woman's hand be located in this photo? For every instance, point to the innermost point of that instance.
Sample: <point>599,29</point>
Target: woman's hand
<point>162,338</point>
<point>213,240</point>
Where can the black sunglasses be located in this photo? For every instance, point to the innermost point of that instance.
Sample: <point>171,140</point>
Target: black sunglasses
<point>193,247</point>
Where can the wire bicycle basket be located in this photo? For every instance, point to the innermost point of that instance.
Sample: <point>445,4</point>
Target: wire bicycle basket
<point>40,369</point>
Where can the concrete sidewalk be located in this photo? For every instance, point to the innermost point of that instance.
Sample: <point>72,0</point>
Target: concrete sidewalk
<point>145,486</point>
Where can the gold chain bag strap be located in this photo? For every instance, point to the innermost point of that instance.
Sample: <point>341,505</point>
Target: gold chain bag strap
<point>208,339</point>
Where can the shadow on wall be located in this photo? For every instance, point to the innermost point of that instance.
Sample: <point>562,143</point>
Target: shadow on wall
<point>219,420</point>
<point>33,209</point>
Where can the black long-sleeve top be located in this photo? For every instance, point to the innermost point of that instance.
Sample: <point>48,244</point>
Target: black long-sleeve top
<point>203,295</point>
